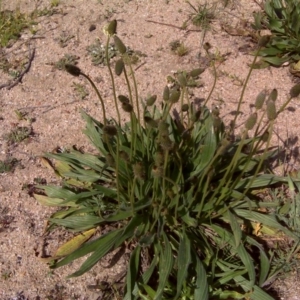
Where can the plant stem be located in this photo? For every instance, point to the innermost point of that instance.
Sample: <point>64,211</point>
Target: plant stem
<point>137,108</point>
<point>244,86</point>
<point>112,79</point>
<point>98,94</point>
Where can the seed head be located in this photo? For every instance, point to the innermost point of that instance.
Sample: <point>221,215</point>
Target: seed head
<point>163,127</point>
<point>159,158</point>
<point>119,67</point>
<point>273,95</point>
<point>123,99</point>
<point>151,122</point>
<point>166,93</point>
<point>151,100</point>
<point>251,121</point>
<point>119,44</point>
<point>207,46</point>
<point>73,70</point>
<point>127,107</point>
<point>139,170</point>
<point>166,143</point>
<point>260,99</point>
<point>185,107</point>
<point>110,130</point>
<point>265,136</point>
<point>174,95</point>
<point>182,79</point>
<point>157,171</point>
<point>196,72</point>
<point>271,110</point>
<point>196,115</point>
<point>264,40</point>
<point>295,91</point>
<point>110,28</point>
<point>123,155</point>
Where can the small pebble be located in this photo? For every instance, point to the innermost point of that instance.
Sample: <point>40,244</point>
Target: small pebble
<point>92,27</point>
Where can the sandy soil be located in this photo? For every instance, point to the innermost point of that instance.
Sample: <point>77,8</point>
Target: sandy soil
<point>47,95</point>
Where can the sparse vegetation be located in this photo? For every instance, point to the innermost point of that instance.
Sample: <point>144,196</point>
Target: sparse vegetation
<point>64,39</point>
<point>281,18</point>
<point>12,23</point>
<point>178,48</point>
<point>8,165</point>
<point>66,59</point>
<point>18,134</point>
<point>80,90</point>
<point>203,14</point>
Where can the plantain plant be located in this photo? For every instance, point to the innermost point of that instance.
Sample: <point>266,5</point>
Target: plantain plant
<point>281,18</point>
<point>176,185</point>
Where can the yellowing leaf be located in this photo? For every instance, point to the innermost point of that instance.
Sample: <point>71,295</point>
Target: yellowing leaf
<point>78,183</point>
<point>48,201</point>
<point>46,163</point>
<point>257,228</point>
<point>74,243</point>
<point>62,167</point>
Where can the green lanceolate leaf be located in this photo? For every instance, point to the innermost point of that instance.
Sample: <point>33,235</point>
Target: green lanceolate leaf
<point>265,219</point>
<point>235,227</point>
<point>264,261</point>
<point>243,255</point>
<point>106,245</point>
<point>89,247</point>
<point>206,148</point>
<point>78,222</point>
<point>184,260</point>
<point>132,273</point>
<point>56,191</point>
<point>201,290</point>
<point>165,266</point>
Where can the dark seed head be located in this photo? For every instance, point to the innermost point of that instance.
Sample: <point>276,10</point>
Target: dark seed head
<point>151,122</point>
<point>264,40</point>
<point>73,70</point>
<point>196,115</point>
<point>127,107</point>
<point>265,136</point>
<point>110,130</point>
<point>207,46</point>
<point>123,99</point>
<point>185,107</point>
